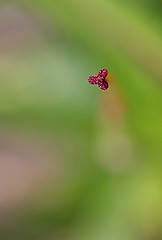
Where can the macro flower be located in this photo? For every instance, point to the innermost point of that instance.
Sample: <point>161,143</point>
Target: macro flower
<point>100,79</point>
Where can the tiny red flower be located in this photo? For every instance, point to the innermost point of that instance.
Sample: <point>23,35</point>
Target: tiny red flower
<point>100,79</point>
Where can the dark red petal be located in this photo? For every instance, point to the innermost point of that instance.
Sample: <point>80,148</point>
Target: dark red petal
<point>93,80</point>
<point>103,73</point>
<point>103,84</point>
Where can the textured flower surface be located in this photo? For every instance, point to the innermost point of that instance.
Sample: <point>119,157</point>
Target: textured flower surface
<point>100,79</point>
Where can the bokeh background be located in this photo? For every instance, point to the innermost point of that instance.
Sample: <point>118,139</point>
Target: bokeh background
<point>78,163</point>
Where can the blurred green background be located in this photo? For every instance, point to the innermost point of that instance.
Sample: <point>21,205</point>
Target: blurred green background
<point>78,163</point>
